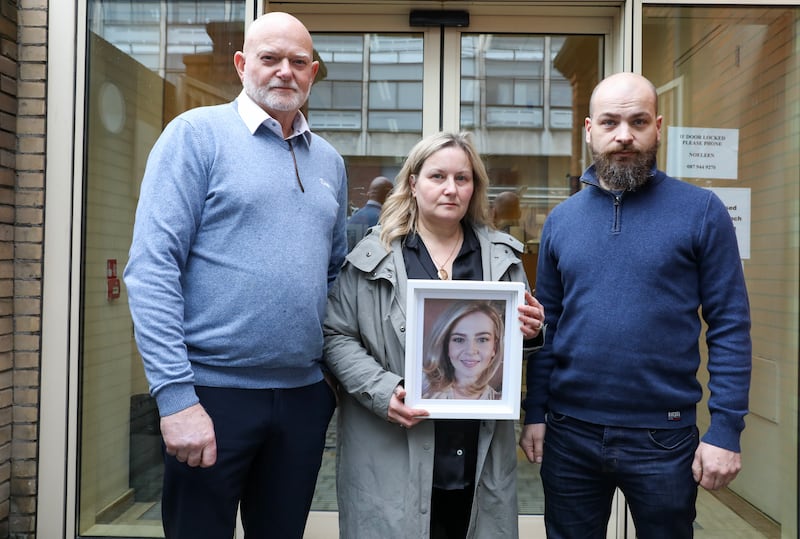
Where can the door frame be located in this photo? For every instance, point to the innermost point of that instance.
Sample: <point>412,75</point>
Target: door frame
<point>59,402</point>
<point>607,22</point>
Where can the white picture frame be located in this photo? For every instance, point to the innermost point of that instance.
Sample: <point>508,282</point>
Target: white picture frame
<point>430,300</point>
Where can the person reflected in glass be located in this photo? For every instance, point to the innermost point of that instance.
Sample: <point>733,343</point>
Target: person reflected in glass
<point>367,216</point>
<point>398,475</point>
<point>466,352</point>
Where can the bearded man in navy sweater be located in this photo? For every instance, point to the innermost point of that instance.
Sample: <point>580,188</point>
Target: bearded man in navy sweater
<point>627,267</point>
<point>240,231</point>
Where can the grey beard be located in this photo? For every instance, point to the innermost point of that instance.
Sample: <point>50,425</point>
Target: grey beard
<point>262,96</point>
<point>625,176</point>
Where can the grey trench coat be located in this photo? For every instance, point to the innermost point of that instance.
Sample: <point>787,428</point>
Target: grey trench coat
<point>384,472</point>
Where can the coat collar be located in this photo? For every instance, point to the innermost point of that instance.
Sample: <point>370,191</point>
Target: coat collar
<point>369,252</point>
<point>370,256</point>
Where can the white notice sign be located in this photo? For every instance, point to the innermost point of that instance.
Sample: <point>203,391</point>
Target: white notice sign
<point>698,152</point>
<point>737,200</point>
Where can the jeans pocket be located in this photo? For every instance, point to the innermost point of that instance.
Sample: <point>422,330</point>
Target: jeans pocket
<point>673,438</point>
<point>555,417</point>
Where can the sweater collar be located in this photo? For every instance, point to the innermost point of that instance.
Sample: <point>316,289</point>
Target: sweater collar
<point>254,116</point>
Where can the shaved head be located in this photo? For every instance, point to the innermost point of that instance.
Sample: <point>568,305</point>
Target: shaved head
<point>379,188</point>
<point>624,84</point>
<point>279,23</point>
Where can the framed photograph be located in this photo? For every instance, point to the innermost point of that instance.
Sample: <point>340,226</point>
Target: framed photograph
<point>464,348</point>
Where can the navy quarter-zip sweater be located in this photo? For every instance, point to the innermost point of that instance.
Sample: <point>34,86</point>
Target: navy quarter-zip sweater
<point>624,279</point>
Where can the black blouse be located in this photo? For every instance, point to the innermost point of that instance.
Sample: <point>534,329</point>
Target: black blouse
<point>456,440</point>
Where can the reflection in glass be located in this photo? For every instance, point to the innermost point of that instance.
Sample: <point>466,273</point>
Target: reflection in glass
<point>737,68</point>
<point>368,99</point>
<point>367,102</point>
<point>146,62</point>
<point>524,98</point>
<point>518,96</point>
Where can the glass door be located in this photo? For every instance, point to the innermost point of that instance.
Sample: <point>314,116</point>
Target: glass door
<point>146,62</point>
<point>517,78</point>
<point>521,85</point>
<point>755,99</point>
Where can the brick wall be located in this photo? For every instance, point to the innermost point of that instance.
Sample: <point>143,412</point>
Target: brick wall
<point>23,53</point>
<point>8,112</point>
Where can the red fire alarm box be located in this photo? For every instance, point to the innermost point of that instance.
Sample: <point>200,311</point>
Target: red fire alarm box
<point>112,279</point>
<point>113,288</point>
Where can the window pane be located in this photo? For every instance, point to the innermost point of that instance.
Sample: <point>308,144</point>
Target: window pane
<point>734,71</point>
<point>395,121</point>
<point>392,65</point>
<point>560,93</point>
<point>146,62</point>
<point>510,86</point>
<point>409,95</point>
<point>513,82</point>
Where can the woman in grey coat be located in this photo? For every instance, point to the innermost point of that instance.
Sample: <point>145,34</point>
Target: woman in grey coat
<point>398,474</point>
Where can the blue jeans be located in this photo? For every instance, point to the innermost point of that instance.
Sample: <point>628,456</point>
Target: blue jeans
<point>584,463</point>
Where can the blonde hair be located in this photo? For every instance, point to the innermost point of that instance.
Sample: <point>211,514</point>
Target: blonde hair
<point>399,214</point>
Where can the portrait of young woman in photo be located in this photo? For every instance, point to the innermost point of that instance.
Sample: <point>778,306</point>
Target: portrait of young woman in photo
<point>465,354</point>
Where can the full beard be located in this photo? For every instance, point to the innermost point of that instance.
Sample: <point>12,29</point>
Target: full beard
<point>625,176</point>
<point>269,101</point>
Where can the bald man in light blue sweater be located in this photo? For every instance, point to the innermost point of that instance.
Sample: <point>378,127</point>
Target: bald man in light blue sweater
<point>240,230</point>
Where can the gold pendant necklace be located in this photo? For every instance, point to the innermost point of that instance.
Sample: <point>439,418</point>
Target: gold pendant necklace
<point>443,275</point>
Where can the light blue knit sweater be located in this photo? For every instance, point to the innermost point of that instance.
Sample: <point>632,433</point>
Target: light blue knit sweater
<point>230,262</point>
